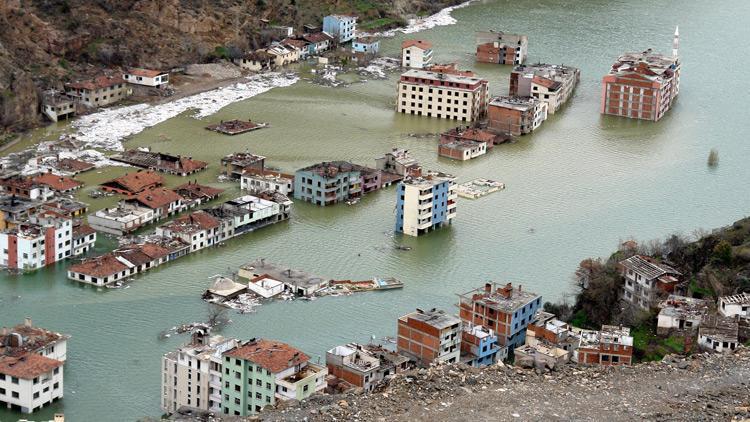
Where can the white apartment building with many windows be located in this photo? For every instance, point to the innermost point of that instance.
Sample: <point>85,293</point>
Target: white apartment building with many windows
<point>442,95</point>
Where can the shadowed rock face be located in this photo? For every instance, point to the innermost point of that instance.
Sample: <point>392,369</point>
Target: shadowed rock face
<point>44,43</point>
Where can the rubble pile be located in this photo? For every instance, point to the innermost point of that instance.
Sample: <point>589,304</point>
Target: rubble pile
<point>704,386</point>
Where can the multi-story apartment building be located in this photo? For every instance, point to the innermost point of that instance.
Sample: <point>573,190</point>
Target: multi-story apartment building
<point>41,240</point>
<point>364,366</point>
<point>328,183</point>
<point>31,367</point>
<point>612,345</point>
<point>549,83</point>
<point>198,229</point>
<point>342,27</point>
<point>515,115</point>
<point>425,203</point>
<point>442,95</point>
<point>505,310</point>
<point>258,373</point>
<point>642,85</point>
<point>192,375</point>
<point>100,91</point>
<point>500,47</point>
<point>265,180</point>
<point>416,54</point>
<point>430,336</point>
<point>646,279</point>
<point>366,45</point>
<point>479,347</point>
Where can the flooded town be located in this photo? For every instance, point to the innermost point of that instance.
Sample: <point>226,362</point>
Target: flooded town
<point>372,212</point>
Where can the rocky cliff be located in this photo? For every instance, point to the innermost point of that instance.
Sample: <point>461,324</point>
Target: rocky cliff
<point>44,43</point>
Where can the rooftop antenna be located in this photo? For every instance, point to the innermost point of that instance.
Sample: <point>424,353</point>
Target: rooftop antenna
<point>676,42</point>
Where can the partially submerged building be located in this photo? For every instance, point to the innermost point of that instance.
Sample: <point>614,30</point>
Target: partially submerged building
<point>442,95</point>
<point>256,181</point>
<point>328,183</point>
<point>158,161</point>
<point>431,336</point>
<point>642,85</point>
<point>549,83</point>
<point>31,367</point>
<point>197,194</point>
<point>57,106</point>
<point>131,184</point>
<point>516,115</point>
<point>298,282</point>
<point>501,47</point>
<point>123,219</point>
<point>425,203</point>
<point>505,310</point>
<point>234,165</point>
<point>416,54</point>
<point>57,183</point>
<point>399,162</point>
<point>461,150</point>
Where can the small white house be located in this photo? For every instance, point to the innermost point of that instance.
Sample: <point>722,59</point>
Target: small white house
<point>265,286</point>
<point>718,339</point>
<point>146,77</point>
<point>730,306</point>
<point>680,313</point>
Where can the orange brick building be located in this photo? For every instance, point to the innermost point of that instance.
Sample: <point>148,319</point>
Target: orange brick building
<point>515,115</point>
<point>612,345</point>
<point>430,336</point>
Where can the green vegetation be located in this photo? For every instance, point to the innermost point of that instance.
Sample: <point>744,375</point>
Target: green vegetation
<point>381,23</point>
<point>92,49</point>
<point>364,6</point>
<point>649,346</point>
<point>64,64</point>
<point>580,319</point>
<point>700,292</point>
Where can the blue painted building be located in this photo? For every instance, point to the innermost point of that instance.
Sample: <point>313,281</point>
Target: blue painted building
<point>505,310</point>
<point>425,203</point>
<point>479,347</point>
<point>328,183</point>
<point>366,45</point>
<point>341,27</point>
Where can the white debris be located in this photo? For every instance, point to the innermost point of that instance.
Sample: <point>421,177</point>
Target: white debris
<point>441,18</point>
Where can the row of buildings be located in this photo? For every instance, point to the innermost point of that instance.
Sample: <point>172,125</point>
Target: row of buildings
<point>183,235</point>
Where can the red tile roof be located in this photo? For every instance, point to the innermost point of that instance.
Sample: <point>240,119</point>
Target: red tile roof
<point>100,266</point>
<point>71,164</point>
<point>58,183</point>
<point>28,366</point>
<point>272,355</point>
<point>195,191</point>
<point>189,165</point>
<point>146,73</point>
<point>98,82</point>
<point>82,230</point>
<point>135,182</point>
<point>547,83</point>
<point>157,197</point>
<point>317,37</point>
<point>155,251</point>
<point>197,220</point>
<point>424,45</point>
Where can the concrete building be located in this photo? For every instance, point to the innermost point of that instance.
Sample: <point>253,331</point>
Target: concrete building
<point>470,134</point>
<point>500,47</point>
<point>159,161</point>
<point>197,194</point>
<point>84,239</point>
<point>126,261</point>
<point>31,367</point>
<point>319,42</point>
<point>199,229</point>
<point>100,91</point>
<point>146,77</point>
<point>681,314</point>
<point>642,85</point>
<point>442,95</point>
<point>342,27</point>
<point>57,183</point>
<point>735,305</point>
<point>505,310</point>
<point>462,150</point>
<point>546,330</point>
<point>612,345</point>
<point>41,240</point>
<point>366,45</point>
<point>283,55</point>
<point>718,334</point>
<point>265,180</point>
<point>430,336</point>
<point>332,182</point>
<point>549,83</point>
<point>479,347</point>
<point>416,54</point>
<point>163,202</point>
<point>298,282</point>
<point>57,107</point>
<point>364,366</point>
<point>259,373</point>
<point>233,165</point>
<point>399,162</point>
<point>646,279</point>
<point>516,115</point>
<point>123,219</point>
<point>26,188</point>
<point>192,375</point>
<point>256,61</point>
<point>425,203</point>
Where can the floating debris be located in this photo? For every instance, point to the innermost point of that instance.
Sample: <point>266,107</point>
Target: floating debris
<point>236,127</point>
<point>713,158</point>
<point>478,188</point>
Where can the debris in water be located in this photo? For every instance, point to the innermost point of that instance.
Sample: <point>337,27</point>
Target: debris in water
<point>713,158</point>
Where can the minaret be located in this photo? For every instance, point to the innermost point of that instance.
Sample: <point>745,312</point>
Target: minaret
<point>676,42</point>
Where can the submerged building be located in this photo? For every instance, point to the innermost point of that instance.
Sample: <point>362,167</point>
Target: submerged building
<point>642,85</point>
<point>502,48</point>
<point>442,95</point>
<point>550,83</point>
<point>425,203</point>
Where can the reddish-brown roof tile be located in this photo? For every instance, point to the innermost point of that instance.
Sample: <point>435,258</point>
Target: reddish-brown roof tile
<point>157,197</point>
<point>82,230</point>
<point>71,164</point>
<point>424,45</point>
<point>28,366</point>
<point>317,37</point>
<point>189,165</point>
<point>272,355</point>
<point>199,219</point>
<point>146,73</point>
<point>58,183</point>
<point>155,251</point>
<point>98,82</point>
<point>100,266</point>
<point>196,191</point>
<point>135,182</point>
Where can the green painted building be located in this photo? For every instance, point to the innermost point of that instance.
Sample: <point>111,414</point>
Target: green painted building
<point>260,372</point>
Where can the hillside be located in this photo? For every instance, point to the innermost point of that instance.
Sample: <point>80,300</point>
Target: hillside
<point>44,43</point>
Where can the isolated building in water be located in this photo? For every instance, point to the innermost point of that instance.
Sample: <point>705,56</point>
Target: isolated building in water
<point>425,203</point>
